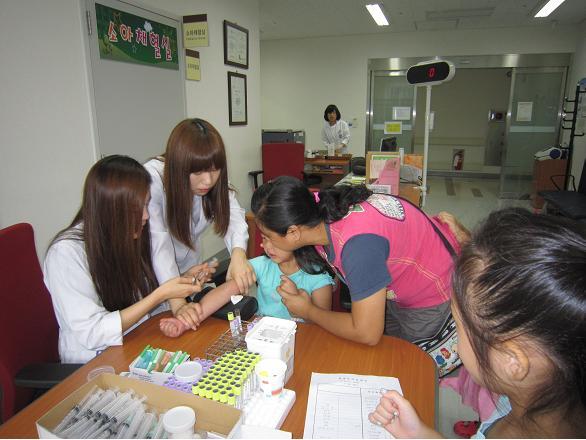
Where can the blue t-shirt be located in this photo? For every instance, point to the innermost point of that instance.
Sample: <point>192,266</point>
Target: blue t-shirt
<point>268,277</point>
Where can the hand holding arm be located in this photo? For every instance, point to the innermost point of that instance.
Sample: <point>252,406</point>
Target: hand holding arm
<point>178,287</point>
<point>193,314</point>
<point>241,271</point>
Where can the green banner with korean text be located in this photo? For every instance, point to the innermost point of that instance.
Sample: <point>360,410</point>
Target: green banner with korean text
<point>133,39</point>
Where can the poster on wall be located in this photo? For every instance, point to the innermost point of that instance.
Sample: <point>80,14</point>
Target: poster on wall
<point>195,30</point>
<point>393,127</point>
<point>192,66</point>
<point>524,111</point>
<point>134,39</point>
<point>237,105</point>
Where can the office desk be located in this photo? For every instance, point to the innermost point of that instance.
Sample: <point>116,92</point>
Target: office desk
<point>315,351</point>
<point>330,169</point>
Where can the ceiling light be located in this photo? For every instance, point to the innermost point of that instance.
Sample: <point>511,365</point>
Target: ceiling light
<point>377,14</point>
<point>548,8</point>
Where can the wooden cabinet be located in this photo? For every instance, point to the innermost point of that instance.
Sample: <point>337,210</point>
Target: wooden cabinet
<point>543,170</point>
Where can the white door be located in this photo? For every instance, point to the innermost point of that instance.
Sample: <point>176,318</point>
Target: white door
<point>136,105</point>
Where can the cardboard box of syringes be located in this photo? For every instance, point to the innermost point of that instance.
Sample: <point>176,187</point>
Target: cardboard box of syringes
<point>217,419</point>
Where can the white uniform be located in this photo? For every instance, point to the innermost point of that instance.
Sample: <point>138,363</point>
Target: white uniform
<point>85,326</point>
<point>334,135</point>
<point>170,256</point>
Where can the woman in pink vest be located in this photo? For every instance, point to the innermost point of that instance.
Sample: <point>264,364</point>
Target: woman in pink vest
<point>391,256</point>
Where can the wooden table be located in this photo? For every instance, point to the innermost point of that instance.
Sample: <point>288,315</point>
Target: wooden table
<point>316,350</point>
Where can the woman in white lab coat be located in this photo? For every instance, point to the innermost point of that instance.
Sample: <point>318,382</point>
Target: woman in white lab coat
<point>98,270</point>
<point>190,191</point>
<point>335,133</point>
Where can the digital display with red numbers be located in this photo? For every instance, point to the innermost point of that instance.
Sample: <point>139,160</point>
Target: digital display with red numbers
<point>432,72</point>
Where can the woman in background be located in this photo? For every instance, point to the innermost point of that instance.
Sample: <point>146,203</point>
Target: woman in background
<point>98,270</point>
<point>190,191</point>
<point>335,133</point>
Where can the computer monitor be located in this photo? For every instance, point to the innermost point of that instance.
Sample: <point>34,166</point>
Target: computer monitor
<point>389,144</point>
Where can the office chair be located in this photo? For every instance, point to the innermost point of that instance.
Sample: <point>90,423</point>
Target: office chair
<point>389,144</point>
<point>282,159</point>
<point>571,204</point>
<point>27,324</point>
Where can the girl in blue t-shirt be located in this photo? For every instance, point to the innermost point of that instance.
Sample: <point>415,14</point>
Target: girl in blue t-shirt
<point>520,308</point>
<point>291,270</point>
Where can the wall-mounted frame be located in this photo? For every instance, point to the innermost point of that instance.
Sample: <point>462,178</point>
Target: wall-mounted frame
<point>235,45</point>
<point>237,105</point>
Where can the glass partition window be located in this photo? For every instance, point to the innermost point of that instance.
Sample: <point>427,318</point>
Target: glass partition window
<point>393,101</point>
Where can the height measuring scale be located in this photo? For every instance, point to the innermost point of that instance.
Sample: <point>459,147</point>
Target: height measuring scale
<point>428,74</point>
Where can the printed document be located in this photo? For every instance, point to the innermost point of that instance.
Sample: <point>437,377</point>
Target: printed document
<point>338,405</point>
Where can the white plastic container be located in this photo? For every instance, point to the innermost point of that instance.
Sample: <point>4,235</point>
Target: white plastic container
<point>271,376</point>
<point>179,422</point>
<point>274,338</point>
<point>188,372</point>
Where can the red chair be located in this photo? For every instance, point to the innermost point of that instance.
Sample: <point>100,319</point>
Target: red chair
<point>27,323</point>
<point>281,159</point>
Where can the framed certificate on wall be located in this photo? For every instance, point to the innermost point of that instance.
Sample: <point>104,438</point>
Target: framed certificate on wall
<point>237,99</point>
<point>235,45</point>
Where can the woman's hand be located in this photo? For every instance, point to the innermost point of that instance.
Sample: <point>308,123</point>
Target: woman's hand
<point>190,314</point>
<point>396,414</point>
<point>460,232</point>
<point>297,301</point>
<point>241,271</point>
<point>172,327</point>
<point>178,287</point>
<point>202,272</point>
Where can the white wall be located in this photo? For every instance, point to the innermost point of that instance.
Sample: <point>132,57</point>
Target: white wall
<point>578,72</point>
<point>300,77</point>
<point>46,140</point>
<point>208,98</point>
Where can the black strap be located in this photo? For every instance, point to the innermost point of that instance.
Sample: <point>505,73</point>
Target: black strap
<point>447,244</point>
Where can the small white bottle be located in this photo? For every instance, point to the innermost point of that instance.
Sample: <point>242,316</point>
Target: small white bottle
<point>179,422</point>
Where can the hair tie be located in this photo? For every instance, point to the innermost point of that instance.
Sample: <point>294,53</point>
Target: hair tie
<point>316,196</point>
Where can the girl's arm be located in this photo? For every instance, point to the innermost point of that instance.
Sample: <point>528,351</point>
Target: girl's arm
<point>190,315</point>
<point>322,297</point>
<point>193,314</point>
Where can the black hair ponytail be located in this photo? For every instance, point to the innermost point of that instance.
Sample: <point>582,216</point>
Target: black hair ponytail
<point>335,202</point>
<point>286,201</point>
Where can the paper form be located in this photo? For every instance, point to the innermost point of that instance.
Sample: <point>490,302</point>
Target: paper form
<point>338,405</point>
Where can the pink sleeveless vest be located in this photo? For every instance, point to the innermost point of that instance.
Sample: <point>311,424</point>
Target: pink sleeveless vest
<point>419,263</point>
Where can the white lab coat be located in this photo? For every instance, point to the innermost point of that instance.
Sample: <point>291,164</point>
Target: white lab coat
<point>85,326</point>
<point>170,256</point>
<point>334,135</point>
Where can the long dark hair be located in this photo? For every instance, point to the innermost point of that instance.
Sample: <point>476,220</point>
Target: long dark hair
<point>286,201</point>
<point>194,146</point>
<point>120,264</point>
<point>524,274</point>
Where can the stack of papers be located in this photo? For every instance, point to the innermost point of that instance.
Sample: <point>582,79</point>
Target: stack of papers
<point>339,404</point>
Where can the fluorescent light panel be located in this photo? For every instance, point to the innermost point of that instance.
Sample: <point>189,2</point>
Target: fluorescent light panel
<point>377,14</point>
<point>548,8</point>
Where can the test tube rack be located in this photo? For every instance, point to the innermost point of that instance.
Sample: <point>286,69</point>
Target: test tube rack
<point>230,380</point>
<point>227,342</point>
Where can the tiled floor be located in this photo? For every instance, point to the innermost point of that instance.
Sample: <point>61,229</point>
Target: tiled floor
<point>471,200</point>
